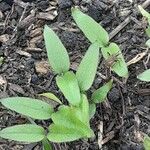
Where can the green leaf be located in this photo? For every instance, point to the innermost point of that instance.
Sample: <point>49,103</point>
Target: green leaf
<point>46,144</point>
<point>57,54</point>
<point>146,143</point>
<point>100,94</point>
<point>145,76</point>
<point>51,96</point>
<point>92,110</point>
<point>92,30</point>
<point>119,66</point>
<point>68,84</point>
<point>148,43</point>
<point>82,112</point>
<point>29,107</point>
<point>60,133</point>
<point>23,133</point>
<point>87,69</point>
<point>68,126</point>
<point>148,31</point>
<point>144,13</point>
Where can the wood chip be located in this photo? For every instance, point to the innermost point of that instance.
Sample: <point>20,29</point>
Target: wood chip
<point>16,88</point>
<point>23,53</point>
<point>33,49</point>
<point>2,81</point>
<point>1,15</point>
<point>35,40</point>
<point>4,38</point>
<point>42,67</point>
<point>100,134</point>
<point>25,23</point>
<point>21,3</point>
<point>137,58</point>
<point>36,32</point>
<point>47,15</point>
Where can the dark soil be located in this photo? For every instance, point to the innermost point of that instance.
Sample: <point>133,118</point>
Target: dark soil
<point>125,115</point>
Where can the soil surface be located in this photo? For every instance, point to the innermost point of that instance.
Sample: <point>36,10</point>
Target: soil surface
<point>24,71</point>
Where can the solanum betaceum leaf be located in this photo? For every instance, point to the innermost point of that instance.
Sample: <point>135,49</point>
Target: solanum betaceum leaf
<point>33,108</point>
<point>100,94</point>
<point>68,84</point>
<point>87,69</point>
<point>145,76</point>
<point>23,133</point>
<point>57,54</point>
<point>92,30</point>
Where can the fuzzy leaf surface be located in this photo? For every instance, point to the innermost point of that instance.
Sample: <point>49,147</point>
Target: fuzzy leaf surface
<point>68,84</point>
<point>87,69</point>
<point>100,94</point>
<point>92,30</point>
<point>69,125</point>
<point>33,108</point>
<point>23,133</point>
<point>145,76</point>
<point>57,54</point>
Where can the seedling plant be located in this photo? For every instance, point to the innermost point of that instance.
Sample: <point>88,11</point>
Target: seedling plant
<point>70,122</point>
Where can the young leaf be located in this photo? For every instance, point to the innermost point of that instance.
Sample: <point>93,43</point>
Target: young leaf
<point>23,133</point>
<point>57,54</point>
<point>46,144</point>
<point>29,107</point>
<point>69,118</point>
<point>119,66</point>
<point>145,76</point>
<point>60,133</point>
<point>100,94</point>
<point>144,13</point>
<point>146,143</point>
<point>92,110</point>
<point>92,30</point>
<point>148,43</point>
<point>51,96</point>
<point>82,112</point>
<point>87,69</point>
<point>68,84</point>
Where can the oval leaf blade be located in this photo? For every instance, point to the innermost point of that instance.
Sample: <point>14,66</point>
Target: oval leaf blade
<point>57,54</point>
<point>100,94</point>
<point>145,76</point>
<point>29,107</point>
<point>87,69</point>
<point>68,84</point>
<point>119,66</point>
<point>92,30</point>
<point>23,133</point>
